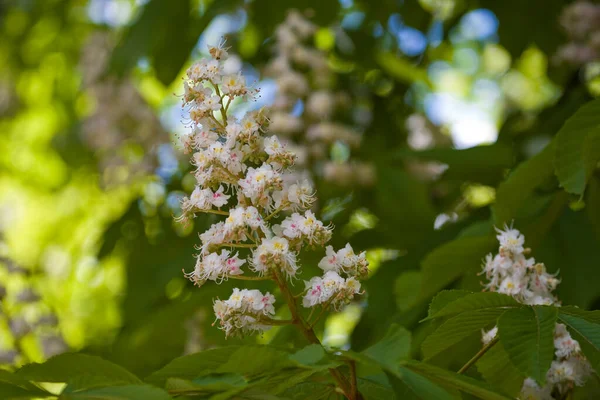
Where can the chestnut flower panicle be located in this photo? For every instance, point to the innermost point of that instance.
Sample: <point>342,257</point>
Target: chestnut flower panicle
<point>304,77</point>
<point>511,272</point>
<point>247,179</point>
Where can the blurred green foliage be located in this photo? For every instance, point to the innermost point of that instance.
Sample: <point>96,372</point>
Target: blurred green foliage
<point>105,258</point>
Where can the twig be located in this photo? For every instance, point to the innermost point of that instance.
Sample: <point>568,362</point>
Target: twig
<point>353,385</point>
<point>308,332</point>
<point>479,354</point>
<point>241,245</point>
<point>250,278</point>
<point>219,212</point>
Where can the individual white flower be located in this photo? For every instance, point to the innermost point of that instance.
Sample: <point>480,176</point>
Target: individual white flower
<point>274,253</point>
<point>307,228</point>
<point>511,240</point>
<point>211,103</point>
<point>331,289</point>
<point>244,311</point>
<point>295,196</point>
<point>258,183</point>
<point>234,85</point>
<point>218,198</point>
<point>532,391</point>
<point>219,52</point>
<point>215,267</point>
<point>203,138</point>
<point>488,336</point>
<point>564,344</point>
<point>215,235</point>
<point>240,220</point>
<point>345,260</point>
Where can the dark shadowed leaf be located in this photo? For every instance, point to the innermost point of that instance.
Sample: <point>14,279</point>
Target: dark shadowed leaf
<point>578,148</point>
<point>79,371</point>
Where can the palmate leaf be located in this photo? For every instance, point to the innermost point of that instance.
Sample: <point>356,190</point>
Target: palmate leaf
<point>443,298</point>
<point>392,348</point>
<point>408,383</point>
<point>128,392</point>
<point>375,388</point>
<point>585,328</point>
<point>497,369</point>
<point>458,328</point>
<point>251,360</point>
<point>79,371</point>
<point>453,380</point>
<point>452,260</point>
<point>13,386</point>
<point>527,335</point>
<point>577,148</point>
<point>473,302</point>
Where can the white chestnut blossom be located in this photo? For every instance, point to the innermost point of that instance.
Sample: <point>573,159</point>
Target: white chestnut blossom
<point>216,267</point>
<point>330,290</point>
<point>345,260</point>
<point>511,272</point>
<point>262,205</point>
<point>304,229</point>
<point>274,253</point>
<point>245,311</point>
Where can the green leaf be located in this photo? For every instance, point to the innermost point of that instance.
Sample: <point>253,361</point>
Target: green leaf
<point>193,365</point>
<point>414,212</point>
<point>476,301</point>
<point>484,164</point>
<point>312,391</point>
<point>585,328</point>
<point>250,360</point>
<point>128,392</point>
<point>591,152</point>
<point>520,185</point>
<point>13,386</point>
<point>457,328</point>
<point>407,289</point>
<point>210,383</point>
<point>443,298</point>
<point>374,390</point>
<point>456,381</point>
<point>309,355</point>
<point>497,369</point>
<point>79,371</point>
<point>256,360</point>
<point>452,260</point>
<point>392,348</point>
<point>577,148</point>
<point>527,335</point>
<point>573,249</point>
<point>407,383</point>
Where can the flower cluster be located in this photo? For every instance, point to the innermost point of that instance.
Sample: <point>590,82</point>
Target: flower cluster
<point>296,67</point>
<point>512,273</point>
<point>247,178</point>
<point>245,311</point>
<point>581,22</point>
